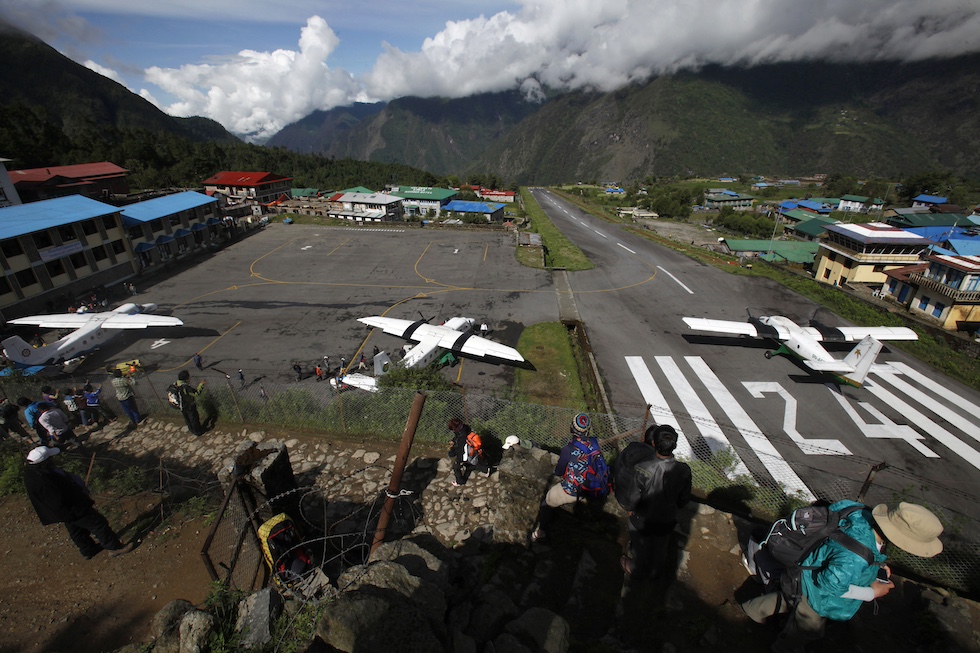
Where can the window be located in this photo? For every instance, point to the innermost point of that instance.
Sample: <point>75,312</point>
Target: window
<point>55,267</point>
<point>67,233</point>
<point>135,233</point>
<point>11,248</point>
<point>826,273</point>
<point>175,220</point>
<point>99,253</point>
<point>26,278</point>
<point>78,260</point>
<point>42,239</point>
<point>118,247</point>
<point>924,303</point>
<point>156,225</point>
<point>5,286</point>
<point>879,268</point>
<point>89,227</point>
<point>109,221</point>
<point>892,284</point>
<point>938,310</point>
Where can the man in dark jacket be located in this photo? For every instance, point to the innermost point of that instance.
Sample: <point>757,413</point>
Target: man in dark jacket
<point>189,395</point>
<point>666,489</point>
<point>58,496</point>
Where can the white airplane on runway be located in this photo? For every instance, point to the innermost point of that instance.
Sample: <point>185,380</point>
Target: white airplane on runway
<point>91,330</point>
<point>455,336</point>
<point>804,342</point>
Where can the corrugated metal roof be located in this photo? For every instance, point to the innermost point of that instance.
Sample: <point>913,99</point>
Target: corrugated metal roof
<point>423,193</point>
<point>161,207</point>
<point>227,178</point>
<point>465,206</point>
<point>80,171</point>
<point>877,232</point>
<point>930,199</point>
<point>27,218</point>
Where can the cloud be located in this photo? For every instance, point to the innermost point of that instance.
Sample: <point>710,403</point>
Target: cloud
<point>257,93</point>
<point>572,44</point>
<point>105,72</point>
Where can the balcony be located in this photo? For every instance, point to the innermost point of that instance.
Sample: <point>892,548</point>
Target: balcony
<point>957,296</point>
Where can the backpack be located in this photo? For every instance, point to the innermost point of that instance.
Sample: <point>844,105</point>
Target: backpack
<point>588,473</point>
<point>473,450</point>
<point>289,559</point>
<point>173,396</point>
<point>631,473</point>
<point>791,539</point>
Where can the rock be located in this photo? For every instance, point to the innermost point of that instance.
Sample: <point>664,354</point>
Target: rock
<point>462,643</point>
<point>422,557</point>
<point>523,480</point>
<point>490,613</point>
<point>425,596</point>
<point>165,627</point>
<point>507,643</point>
<point>371,457</point>
<point>546,630</point>
<point>257,616</point>
<point>195,630</point>
<point>371,620</point>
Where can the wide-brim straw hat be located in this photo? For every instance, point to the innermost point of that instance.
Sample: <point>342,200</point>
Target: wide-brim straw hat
<point>910,527</point>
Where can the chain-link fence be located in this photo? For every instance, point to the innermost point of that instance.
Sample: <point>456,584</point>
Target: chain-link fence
<point>720,474</point>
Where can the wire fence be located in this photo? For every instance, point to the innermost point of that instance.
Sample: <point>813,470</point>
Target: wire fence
<point>721,474</point>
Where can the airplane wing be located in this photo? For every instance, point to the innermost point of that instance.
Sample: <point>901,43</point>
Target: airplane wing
<point>140,321</point>
<point>829,366</point>
<point>459,343</point>
<point>753,329</point>
<point>63,321</point>
<point>825,333</point>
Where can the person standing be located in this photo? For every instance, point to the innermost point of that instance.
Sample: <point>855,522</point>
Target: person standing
<point>241,379</point>
<point>319,373</point>
<point>32,411</point>
<point>93,399</point>
<point>199,362</point>
<point>189,395</point>
<point>263,395</point>
<point>132,289</point>
<point>126,396</point>
<point>667,489</point>
<point>298,371</point>
<point>570,470</point>
<point>60,497</point>
<point>836,580</point>
<point>362,364</point>
<point>464,456</point>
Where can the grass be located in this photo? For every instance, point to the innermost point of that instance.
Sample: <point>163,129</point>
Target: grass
<point>556,381</point>
<point>559,250</point>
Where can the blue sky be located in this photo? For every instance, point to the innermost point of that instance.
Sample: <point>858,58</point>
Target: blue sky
<point>257,66</point>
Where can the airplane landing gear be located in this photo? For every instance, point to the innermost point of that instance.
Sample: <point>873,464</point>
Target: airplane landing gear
<point>768,354</point>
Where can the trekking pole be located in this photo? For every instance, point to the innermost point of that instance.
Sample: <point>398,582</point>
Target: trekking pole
<point>90,464</point>
<point>868,480</point>
<point>394,486</point>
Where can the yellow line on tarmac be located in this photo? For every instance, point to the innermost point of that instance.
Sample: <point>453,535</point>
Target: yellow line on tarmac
<point>184,364</point>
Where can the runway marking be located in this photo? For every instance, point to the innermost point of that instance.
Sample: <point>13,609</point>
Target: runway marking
<point>303,249</point>
<point>812,446</point>
<point>960,422</point>
<point>369,229</point>
<point>626,248</point>
<point>768,455</point>
<point>929,383</point>
<point>944,437</point>
<point>712,434</point>
<point>658,405</point>
<point>162,342</point>
<point>691,292</point>
<point>601,234</point>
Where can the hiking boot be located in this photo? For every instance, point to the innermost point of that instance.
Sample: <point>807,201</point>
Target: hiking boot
<point>123,550</point>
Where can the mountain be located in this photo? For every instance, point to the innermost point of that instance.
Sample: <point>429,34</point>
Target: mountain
<point>41,84</point>
<point>880,119</point>
<point>316,133</point>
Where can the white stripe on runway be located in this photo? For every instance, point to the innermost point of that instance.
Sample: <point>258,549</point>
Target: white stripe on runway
<point>774,463</point>
<point>658,405</point>
<point>713,436</point>
<point>626,248</point>
<point>809,446</point>
<point>676,279</point>
<point>601,234</point>
<point>944,437</point>
<point>929,383</point>
<point>943,411</point>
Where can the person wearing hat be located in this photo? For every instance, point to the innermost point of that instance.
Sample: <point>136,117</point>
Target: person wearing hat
<point>58,496</point>
<point>571,464</point>
<point>836,581</point>
<point>188,402</point>
<point>126,395</point>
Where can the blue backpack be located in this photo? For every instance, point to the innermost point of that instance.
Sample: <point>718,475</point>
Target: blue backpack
<point>588,472</point>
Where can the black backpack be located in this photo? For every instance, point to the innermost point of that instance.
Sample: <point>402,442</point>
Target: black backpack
<point>173,396</point>
<point>791,539</point>
<point>631,473</point>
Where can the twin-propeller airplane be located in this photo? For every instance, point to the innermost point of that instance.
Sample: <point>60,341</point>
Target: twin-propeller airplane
<point>804,342</point>
<point>91,330</point>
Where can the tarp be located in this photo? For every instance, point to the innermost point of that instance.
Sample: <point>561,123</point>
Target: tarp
<point>198,226</point>
<point>144,247</point>
<point>180,233</point>
<point>163,240</point>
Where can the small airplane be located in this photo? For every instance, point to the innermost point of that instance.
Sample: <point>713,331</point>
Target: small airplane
<point>91,330</point>
<point>803,343</point>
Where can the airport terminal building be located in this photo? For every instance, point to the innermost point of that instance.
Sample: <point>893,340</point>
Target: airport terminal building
<point>55,251</point>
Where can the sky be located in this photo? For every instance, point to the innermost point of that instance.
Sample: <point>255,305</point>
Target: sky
<point>257,66</point>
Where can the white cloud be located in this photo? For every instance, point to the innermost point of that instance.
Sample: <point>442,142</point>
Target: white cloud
<point>105,72</point>
<point>258,93</point>
<point>570,44</point>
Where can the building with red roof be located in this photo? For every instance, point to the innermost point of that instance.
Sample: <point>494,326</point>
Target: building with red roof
<point>96,180</point>
<point>255,188</point>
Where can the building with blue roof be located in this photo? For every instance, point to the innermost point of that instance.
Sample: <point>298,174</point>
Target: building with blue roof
<point>943,288</point>
<point>58,249</point>
<point>928,201</point>
<point>491,211</point>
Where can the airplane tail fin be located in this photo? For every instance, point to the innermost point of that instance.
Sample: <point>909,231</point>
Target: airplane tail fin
<point>21,352</point>
<point>861,358</point>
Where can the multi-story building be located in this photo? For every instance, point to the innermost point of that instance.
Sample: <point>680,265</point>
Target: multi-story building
<point>252,188</point>
<point>862,253</point>
<point>945,288</point>
<point>166,227</point>
<point>420,200</point>
<point>8,194</point>
<point>365,207</point>
<point>100,181</point>
<point>728,198</point>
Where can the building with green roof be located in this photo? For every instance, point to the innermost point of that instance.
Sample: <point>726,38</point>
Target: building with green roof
<point>419,200</point>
